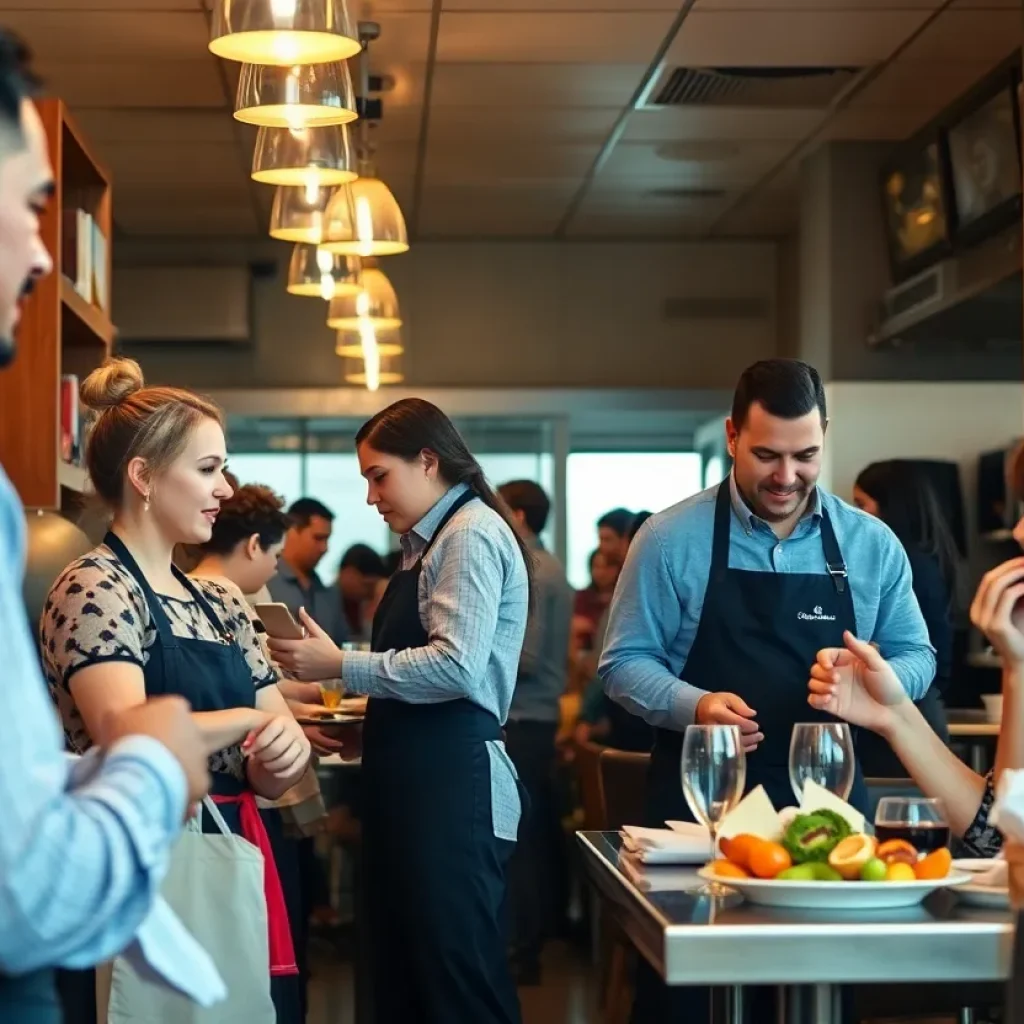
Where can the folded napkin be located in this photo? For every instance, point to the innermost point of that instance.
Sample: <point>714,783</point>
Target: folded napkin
<point>683,843</point>
<point>664,878</point>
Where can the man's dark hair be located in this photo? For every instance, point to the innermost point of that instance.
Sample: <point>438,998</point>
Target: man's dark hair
<point>303,510</point>
<point>787,388</point>
<point>529,498</point>
<point>619,520</point>
<point>365,560</point>
<point>638,520</point>
<point>16,78</point>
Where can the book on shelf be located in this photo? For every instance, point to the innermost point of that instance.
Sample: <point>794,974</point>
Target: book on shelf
<point>70,420</point>
<point>100,278</point>
<point>77,251</point>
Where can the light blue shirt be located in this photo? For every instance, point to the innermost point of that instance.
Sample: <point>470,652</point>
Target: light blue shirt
<point>658,600</point>
<point>473,603</point>
<point>84,843</point>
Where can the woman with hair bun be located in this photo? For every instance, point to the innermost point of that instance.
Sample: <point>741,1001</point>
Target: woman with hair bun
<point>123,623</point>
<point>441,796</point>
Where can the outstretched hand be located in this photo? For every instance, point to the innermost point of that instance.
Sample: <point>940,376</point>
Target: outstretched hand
<point>316,656</point>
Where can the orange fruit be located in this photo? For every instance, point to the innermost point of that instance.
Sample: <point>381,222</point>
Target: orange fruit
<point>726,869</point>
<point>898,871</point>
<point>851,855</point>
<point>767,859</point>
<point>897,851</point>
<point>737,848</point>
<point>936,865</point>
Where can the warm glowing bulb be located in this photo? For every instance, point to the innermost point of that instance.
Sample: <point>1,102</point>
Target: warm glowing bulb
<point>312,192</point>
<point>285,50</point>
<point>364,225</point>
<point>371,354</point>
<point>324,261</point>
<point>327,287</point>
<point>282,8</point>
<point>363,304</point>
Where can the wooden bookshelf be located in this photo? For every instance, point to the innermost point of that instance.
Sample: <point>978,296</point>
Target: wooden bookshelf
<point>60,331</point>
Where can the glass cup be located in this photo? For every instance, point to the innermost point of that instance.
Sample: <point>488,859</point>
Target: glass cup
<point>331,692</point>
<point>823,752</point>
<point>920,821</point>
<point>714,773</point>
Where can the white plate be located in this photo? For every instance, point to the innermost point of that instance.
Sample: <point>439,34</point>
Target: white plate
<point>835,895</point>
<point>986,896</point>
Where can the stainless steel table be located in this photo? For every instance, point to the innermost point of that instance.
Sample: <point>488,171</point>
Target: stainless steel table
<point>695,940</point>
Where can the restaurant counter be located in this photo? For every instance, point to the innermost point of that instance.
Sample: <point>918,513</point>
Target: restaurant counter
<point>692,939</point>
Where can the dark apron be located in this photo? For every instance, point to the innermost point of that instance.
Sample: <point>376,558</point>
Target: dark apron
<point>435,872</point>
<point>29,999</point>
<point>211,676</point>
<point>758,636</point>
<point>752,641</point>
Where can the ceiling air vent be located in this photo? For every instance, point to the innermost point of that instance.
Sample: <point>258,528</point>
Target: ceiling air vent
<point>749,87</point>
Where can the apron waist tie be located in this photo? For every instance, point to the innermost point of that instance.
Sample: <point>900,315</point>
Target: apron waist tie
<point>279,933</point>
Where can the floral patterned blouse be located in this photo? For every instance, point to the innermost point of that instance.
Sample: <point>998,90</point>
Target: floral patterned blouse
<point>97,612</point>
<point>981,838</point>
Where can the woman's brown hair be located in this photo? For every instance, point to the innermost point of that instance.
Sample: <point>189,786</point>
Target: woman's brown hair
<point>136,422</point>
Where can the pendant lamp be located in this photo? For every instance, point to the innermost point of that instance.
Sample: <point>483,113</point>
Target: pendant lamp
<point>312,157</point>
<point>304,95</point>
<point>372,368</point>
<point>349,344</point>
<point>319,274</point>
<point>298,213</point>
<point>364,219</point>
<point>283,32</point>
<point>375,303</point>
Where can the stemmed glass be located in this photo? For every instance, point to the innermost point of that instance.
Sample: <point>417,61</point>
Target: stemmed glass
<point>822,751</point>
<point>714,772</point>
<point>921,821</point>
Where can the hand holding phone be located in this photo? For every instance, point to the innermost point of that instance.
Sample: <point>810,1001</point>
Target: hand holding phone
<point>278,621</point>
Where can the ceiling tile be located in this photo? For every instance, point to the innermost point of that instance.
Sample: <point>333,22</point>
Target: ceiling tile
<point>811,38</point>
<point>545,37</point>
<point>816,5</point>
<point>876,123</point>
<point>495,165</point>
<point>192,83</point>
<point>452,125</point>
<point>492,211</point>
<point>404,37</point>
<point>630,225</point>
<point>93,6</point>
<point>535,85</point>
<point>695,122</point>
<point>130,36</point>
<point>372,8</point>
<point>693,163</point>
<point>633,6</point>
<point>170,164</point>
<point>183,127</point>
<point>968,35</point>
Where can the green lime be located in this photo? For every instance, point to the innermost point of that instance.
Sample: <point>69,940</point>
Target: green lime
<point>826,873</point>
<point>873,871</point>
<point>798,873</point>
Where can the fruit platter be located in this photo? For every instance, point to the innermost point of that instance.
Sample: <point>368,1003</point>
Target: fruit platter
<point>820,856</point>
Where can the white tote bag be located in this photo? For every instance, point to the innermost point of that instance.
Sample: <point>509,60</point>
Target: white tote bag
<point>215,886</point>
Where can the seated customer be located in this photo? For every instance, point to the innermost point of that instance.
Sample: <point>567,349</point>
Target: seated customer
<point>874,698</point>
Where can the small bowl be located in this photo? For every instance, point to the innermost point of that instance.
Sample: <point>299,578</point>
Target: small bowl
<point>993,706</point>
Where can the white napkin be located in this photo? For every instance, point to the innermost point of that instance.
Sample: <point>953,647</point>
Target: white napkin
<point>1007,812</point>
<point>682,843</point>
<point>664,878</point>
<point>165,952</point>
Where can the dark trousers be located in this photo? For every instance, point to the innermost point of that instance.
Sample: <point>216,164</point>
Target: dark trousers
<point>535,871</point>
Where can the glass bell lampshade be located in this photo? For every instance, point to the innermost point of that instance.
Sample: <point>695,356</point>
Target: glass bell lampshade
<point>283,32</point>
<point>319,274</point>
<point>374,365</point>
<point>351,344</point>
<point>298,213</point>
<point>375,303</point>
<point>304,95</point>
<point>303,156</point>
<point>364,219</point>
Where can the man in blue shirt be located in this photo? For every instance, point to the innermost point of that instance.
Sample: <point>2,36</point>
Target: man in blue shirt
<point>778,521</point>
<point>297,584</point>
<point>727,598</point>
<point>84,843</point>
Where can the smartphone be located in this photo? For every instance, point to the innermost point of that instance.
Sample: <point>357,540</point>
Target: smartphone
<point>278,621</point>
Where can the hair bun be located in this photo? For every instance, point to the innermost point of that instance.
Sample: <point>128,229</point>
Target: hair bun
<point>111,384</point>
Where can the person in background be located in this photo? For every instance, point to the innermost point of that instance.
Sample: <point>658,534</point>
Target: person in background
<point>297,584</point>
<point>392,563</point>
<point>441,797</point>
<point>360,573</point>
<point>535,871</point>
<point>727,598</point>
<point>613,531</point>
<point>73,888</point>
<point>122,623</point>
<point>898,493</point>
<point>592,601</point>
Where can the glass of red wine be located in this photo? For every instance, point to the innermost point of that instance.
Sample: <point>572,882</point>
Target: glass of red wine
<point>920,821</point>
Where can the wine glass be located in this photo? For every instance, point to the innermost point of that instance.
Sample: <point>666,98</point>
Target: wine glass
<point>822,751</point>
<point>714,771</point>
<point>920,821</point>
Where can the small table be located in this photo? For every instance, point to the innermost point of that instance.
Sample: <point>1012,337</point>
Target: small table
<point>692,939</point>
<point>976,731</point>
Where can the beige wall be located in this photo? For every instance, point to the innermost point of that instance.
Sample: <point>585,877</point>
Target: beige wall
<point>515,315</point>
<point>869,421</point>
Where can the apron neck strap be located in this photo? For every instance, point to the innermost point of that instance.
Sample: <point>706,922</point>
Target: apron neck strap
<point>723,520</point>
<point>462,499</point>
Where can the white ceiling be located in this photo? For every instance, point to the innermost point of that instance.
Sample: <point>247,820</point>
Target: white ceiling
<point>531,129</point>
